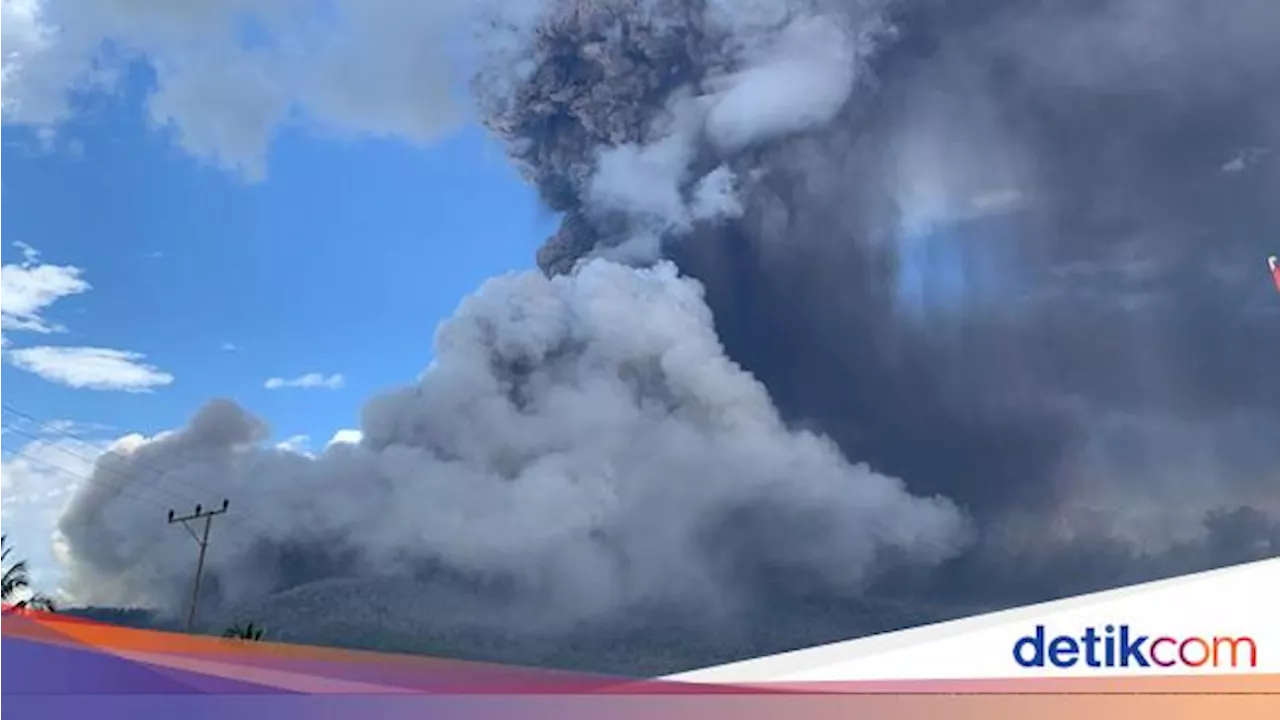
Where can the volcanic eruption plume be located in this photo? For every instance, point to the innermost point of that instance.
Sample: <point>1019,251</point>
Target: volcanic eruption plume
<point>1001,250</point>
<point>949,303</point>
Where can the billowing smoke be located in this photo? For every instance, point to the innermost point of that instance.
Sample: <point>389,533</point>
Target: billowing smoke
<point>1008,252</point>
<point>584,436</point>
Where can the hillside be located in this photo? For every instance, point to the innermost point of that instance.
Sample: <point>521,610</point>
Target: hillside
<point>409,616</point>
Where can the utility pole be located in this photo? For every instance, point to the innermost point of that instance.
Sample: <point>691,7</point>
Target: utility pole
<point>203,540</point>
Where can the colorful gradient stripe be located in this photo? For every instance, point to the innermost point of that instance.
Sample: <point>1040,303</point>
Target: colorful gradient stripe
<point>61,667</point>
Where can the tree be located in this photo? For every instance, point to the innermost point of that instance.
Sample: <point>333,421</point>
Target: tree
<point>18,582</point>
<point>248,631</point>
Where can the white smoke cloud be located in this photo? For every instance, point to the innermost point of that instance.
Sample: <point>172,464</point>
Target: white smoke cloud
<point>801,82</point>
<point>792,77</point>
<point>581,433</point>
<point>646,180</point>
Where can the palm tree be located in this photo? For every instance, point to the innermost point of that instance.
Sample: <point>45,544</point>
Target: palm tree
<point>17,580</point>
<point>245,632</point>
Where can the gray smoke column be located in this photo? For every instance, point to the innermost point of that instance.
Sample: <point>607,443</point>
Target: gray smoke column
<point>627,116</point>
<point>583,437</point>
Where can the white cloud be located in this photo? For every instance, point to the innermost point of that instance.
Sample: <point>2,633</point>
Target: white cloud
<point>311,380</point>
<point>35,482</point>
<point>34,80</point>
<point>29,253</point>
<point>379,68</point>
<point>345,437</point>
<point>44,471</point>
<point>230,347</point>
<point>74,428</point>
<point>28,288</point>
<point>300,444</point>
<point>91,368</point>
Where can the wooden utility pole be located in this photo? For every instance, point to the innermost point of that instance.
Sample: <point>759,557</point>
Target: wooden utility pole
<point>203,540</point>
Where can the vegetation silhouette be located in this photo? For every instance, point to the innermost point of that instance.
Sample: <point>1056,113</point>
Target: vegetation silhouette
<point>248,631</point>
<point>16,580</point>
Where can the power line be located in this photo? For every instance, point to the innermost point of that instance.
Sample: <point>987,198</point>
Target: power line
<point>23,452</point>
<point>203,541</point>
<point>49,429</point>
<point>90,459</point>
<point>123,486</point>
<point>126,486</point>
<point>194,489</point>
<point>145,542</point>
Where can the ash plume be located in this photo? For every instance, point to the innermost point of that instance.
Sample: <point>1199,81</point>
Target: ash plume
<point>1011,255</point>
<point>582,437</point>
<point>958,304</point>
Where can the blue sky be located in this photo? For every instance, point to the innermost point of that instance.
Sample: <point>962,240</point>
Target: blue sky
<point>342,261</point>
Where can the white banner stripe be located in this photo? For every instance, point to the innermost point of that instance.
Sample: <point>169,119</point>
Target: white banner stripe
<point>1233,602</point>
